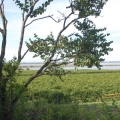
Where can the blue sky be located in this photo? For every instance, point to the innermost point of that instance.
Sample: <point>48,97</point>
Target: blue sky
<point>109,18</point>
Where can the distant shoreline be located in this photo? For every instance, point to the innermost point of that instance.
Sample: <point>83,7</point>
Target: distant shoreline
<point>37,66</point>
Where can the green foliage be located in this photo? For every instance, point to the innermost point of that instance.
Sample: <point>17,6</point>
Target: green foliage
<point>91,45</point>
<point>10,75</point>
<point>9,68</point>
<point>50,98</point>
<point>9,87</point>
<point>41,47</point>
<point>86,49</point>
<point>28,5</point>
<point>83,86</point>
<point>88,7</point>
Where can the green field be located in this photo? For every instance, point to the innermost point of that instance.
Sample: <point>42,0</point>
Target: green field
<point>76,96</point>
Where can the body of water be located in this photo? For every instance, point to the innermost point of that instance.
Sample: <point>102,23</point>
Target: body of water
<point>112,65</point>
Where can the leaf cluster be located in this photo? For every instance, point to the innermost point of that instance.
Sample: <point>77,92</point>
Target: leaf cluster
<point>10,67</point>
<point>86,47</point>
<point>41,47</point>
<point>92,43</point>
<point>29,4</point>
<point>88,7</point>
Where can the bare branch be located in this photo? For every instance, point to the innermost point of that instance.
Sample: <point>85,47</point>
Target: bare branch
<point>62,14</point>
<point>24,54</point>
<point>23,29</point>
<point>66,19</point>
<point>3,31</point>
<point>41,18</point>
<point>4,20</point>
<point>1,3</point>
<point>70,23</point>
<point>59,19</point>
<point>23,16</point>
<point>37,73</point>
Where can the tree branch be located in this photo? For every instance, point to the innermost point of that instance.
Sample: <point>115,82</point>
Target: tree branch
<point>28,50</point>
<point>31,9</point>
<point>49,60</point>
<point>1,3</point>
<point>26,84</point>
<point>23,30</point>
<point>23,16</point>
<point>66,19</point>
<point>41,18</point>
<point>4,33</point>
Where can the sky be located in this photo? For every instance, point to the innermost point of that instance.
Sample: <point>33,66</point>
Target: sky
<point>109,18</point>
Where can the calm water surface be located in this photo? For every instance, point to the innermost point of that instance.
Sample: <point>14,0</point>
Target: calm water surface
<point>106,66</point>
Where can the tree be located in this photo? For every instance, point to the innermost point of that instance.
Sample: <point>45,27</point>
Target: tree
<point>84,48</point>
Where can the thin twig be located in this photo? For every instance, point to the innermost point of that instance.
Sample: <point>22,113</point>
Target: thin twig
<point>66,19</point>
<point>62,14</point>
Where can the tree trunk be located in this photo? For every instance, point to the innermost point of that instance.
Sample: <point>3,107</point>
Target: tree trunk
<point>6,109</point>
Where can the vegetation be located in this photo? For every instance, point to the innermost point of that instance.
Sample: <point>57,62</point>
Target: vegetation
<point>84,48</point>
<point>83,85</point>
<point>79,95</point>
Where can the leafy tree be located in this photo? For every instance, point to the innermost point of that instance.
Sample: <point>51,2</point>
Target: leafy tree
<point>84,48</point>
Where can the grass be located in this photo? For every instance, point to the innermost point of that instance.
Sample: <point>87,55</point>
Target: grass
<point>90,84</point>
<point>77,96</point>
